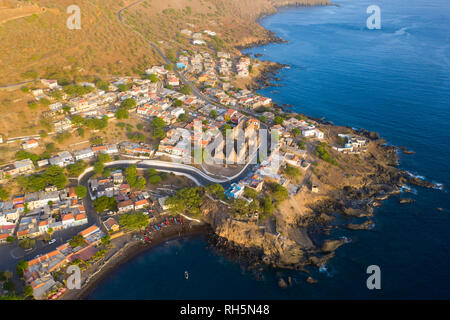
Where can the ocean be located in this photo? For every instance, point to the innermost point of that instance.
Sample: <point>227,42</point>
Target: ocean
<point>394,81</point>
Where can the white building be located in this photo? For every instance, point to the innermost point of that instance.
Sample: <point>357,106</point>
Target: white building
<point>83,154</point>
<point>63,159</point>
<point>30,144</point>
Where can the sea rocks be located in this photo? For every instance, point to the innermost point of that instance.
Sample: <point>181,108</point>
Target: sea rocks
<point>419,182</point>
<point>282,283</point>
<point>320,260</point>
<point>332,245</point>
<point>406,200</point>
<point>406,151</point>
<point>311,280</point>
<point>362,226</point>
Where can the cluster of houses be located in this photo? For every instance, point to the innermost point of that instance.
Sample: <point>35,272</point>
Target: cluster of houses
<point>39,274</point>
<point>242,98</point>
<point>197,37</point>
<point>34,214</point>
<point>117,187</point>
<point>352,144</point>
<point>20,167</point>
<point>210,71</point>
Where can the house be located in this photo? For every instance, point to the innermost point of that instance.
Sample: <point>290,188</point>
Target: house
<point>140,204</point>
<point>89,231</point>
<point>68,220</point>
<point>37,92</point>
<point>42,163</point>
<point>209,32</point>
<point>24,166</point>
<point>40,199</point>
<point>111,225</point>
<point>173,81</point>
<point>30,144</point>
<point>51,84</point>
<point>198,42</point>
<point>125,206</point>
<point>80,219</point>
<point>56,106</point>
<point>177,112</point>
<point>3,237</point>
<point>186,32</point>
<point>83,154</point>
<point>63,159</point>
<point>235,191</point>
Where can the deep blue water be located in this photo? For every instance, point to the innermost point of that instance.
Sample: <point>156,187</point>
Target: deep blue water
<point>395,81</point>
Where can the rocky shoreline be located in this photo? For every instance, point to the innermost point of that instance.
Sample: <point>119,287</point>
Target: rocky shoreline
<point>254,248</point>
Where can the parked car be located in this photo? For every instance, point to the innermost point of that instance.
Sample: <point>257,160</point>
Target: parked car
<point>52,241</point>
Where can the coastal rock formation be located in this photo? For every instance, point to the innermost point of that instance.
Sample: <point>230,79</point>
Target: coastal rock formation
<point>298,233</point>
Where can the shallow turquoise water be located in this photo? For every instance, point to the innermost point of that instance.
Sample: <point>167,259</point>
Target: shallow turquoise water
<point>395,81</point>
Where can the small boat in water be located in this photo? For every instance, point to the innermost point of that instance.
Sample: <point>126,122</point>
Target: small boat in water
<point>186,275</point>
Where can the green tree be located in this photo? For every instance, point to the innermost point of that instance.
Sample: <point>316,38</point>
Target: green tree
<point>22,265</point>
<point>131,175</point>
<point>186,200</point>
<point>292,172</point>
<point>4,195</point>
<point>158,123</point>
<point>323,153</point>
<point>278,192</point>
<point>102,85</point>
<point>216,190</point>
<point>99,167</point>
<point>32,105</point>
<point>7,275</point>
<point>133,221</point>
<point>81,191</point>
<point>278,120</point>
<point>77,241</point>
<point>104,158</point>
<point>104,203</point>
<point>123,87</point>
<point>213,114</point>
<point>122,113</point>
<point>44,101</point>
<point>296,132</point>
<point>27,243</point>
<point>128,104</point>
<point>186,90</point>
<point>183,117</point>
<point>154,179</point>
<point>250,193</point>
<point>106,240</point>
<point>27,291</point>
<point>141,183</point>
<point>54,175</point>
<point>158,133</point>
<point>153,78</point>
<point>75,169</point>
<point>267,206</point>
<point>9,286</point>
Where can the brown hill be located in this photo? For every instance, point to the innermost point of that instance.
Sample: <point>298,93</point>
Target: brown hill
<point>37,43</point>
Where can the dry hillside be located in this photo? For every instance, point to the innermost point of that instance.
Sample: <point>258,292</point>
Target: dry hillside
<point>37,43</point>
